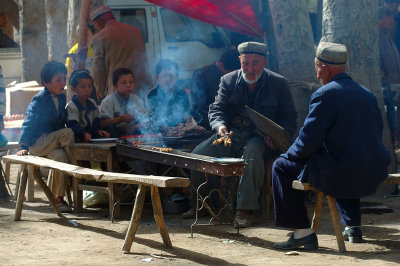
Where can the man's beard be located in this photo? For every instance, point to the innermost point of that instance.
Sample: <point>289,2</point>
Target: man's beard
<point>251,81</point>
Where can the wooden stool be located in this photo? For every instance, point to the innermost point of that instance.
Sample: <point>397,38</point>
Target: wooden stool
<point>268,187</point>
<point>318,208</point>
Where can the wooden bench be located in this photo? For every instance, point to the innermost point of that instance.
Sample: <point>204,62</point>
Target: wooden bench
<point>154,182</point>
<point>335,216</point>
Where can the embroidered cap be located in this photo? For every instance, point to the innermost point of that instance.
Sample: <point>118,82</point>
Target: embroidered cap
<point>253,48</point>
<point>332,53</point>
<point>99,11</point>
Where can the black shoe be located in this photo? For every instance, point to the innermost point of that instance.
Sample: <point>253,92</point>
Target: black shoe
<point>353,235</point>
<point>309,242</point>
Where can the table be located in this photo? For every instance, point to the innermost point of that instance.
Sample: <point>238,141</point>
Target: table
<point>204,164</point>
<point>102,153</point>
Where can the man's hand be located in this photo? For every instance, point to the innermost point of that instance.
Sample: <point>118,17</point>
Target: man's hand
<point>22,152</point>
<point>127,118</point>
<point>268,141</point>
<point>103,133</point>
<point>222,131</point>
<point>87,137</point>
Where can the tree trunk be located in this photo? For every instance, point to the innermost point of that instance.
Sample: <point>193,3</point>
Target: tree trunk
<point>288,31</point>
<point>33,38</point>
<point>74,10</point>
<point>355,23</point>
<point>294,39</point>
<point>56,20</point>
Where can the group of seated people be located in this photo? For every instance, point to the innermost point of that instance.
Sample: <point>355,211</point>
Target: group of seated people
<point>51,124</point>
<point>339,148</point>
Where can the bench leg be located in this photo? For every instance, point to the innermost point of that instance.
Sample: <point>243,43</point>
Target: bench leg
<point>336,223</point>
<point>77,194</point>
<point>38,178</point>
<point>21,193</point>
<point>113,198</point>
<point>8,172</point>
<point>317,212</point>
<point>158,216</point>
<point>134,223</point>
<point>31,188</point>
<point>20,171</point>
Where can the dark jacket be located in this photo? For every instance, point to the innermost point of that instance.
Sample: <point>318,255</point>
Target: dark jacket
<point>205,86</point>
<point>273,100</point>
<point>341,141</point>
<point>168,109</point>
<point>42,118</point>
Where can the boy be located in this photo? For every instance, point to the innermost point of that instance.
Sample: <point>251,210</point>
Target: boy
<point>82,112</point>
<point>122,112</point>
<point>169,105</point>
<point>43,132</point>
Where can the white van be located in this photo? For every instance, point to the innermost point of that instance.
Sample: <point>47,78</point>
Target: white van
<point>191,43</point>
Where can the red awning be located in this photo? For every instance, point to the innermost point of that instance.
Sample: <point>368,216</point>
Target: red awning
<point>234,15</point>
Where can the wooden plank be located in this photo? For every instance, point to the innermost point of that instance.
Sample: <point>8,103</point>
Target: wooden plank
<point>336,223</point>
<point>38,178</point>
<point>392,179</point>
<point>317,211</point>
<point>158,216</point>
<point>134,223</point>
<point>267,127</point>
<point>21,194</point>
<point>100,176</point>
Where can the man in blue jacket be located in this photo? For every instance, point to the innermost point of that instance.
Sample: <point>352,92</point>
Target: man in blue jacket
<point>339,150</point>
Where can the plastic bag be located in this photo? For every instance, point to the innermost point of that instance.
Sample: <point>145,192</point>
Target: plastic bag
<point>92,198</point>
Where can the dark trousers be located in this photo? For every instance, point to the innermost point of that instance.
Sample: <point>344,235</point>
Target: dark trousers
<point>290,210</point>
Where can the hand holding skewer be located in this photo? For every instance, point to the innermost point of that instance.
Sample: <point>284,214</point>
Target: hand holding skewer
<point>225,136</point>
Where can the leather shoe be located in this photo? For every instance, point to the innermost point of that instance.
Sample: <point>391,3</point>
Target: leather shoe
<point>353,235</point>
<point>309,242</point>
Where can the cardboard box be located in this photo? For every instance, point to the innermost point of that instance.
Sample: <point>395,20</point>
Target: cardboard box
<point>19,96</point>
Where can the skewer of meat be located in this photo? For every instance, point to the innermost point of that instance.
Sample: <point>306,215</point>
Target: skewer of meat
<point>226,139</point>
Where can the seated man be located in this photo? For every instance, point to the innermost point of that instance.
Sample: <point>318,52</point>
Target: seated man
<point>206,83</point>
<point>339,150</point>
<point>266,92</point>
<point>168,104</point>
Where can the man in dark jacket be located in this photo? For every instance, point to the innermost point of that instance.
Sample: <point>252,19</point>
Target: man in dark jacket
<point>206,83</point>
<point>266,92</point>
<point>339,150</point>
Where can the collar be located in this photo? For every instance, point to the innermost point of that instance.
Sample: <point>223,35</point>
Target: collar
<point>120,100</point>
<point>89,104</point>
<point>340,76</point>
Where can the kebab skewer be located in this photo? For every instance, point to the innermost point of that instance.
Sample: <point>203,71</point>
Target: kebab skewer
<point>226,139</point>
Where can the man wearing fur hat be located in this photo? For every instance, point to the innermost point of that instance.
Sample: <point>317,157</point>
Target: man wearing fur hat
<point>117,45</point>
<point>266,92</point>
<point>339,150</point>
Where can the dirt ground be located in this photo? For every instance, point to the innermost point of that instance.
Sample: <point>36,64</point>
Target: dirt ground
<point>41,238</point>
